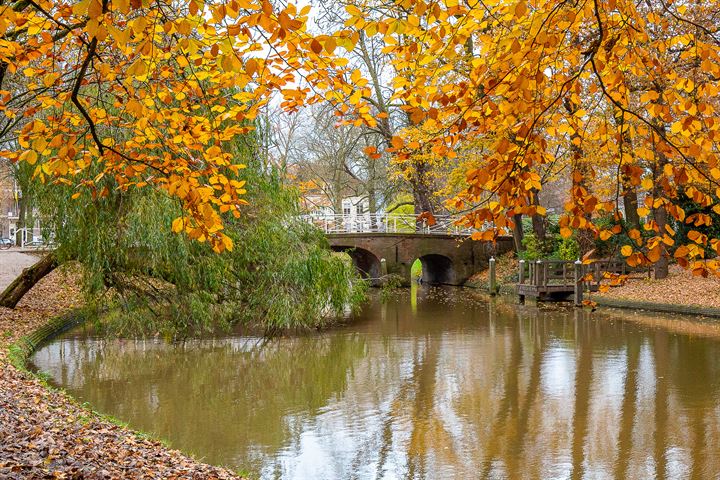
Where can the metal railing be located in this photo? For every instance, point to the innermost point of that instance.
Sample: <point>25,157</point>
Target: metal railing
<point>387,223</point>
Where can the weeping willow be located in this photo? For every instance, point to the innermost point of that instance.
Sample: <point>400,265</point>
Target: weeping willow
<point>146,279</point>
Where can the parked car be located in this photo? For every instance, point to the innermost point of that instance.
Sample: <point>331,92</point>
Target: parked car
<point>5,243</point>
<point>36,244</point>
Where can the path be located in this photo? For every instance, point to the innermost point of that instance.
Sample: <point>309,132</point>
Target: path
<point>12,264</point>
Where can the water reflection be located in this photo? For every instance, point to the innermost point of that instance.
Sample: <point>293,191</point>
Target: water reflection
<point>449,385</point>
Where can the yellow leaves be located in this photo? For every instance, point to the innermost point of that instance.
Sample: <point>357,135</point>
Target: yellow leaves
<point>122,6</point>
<point>353,11</point>
<point>697,237</point>
<point>134,107</point>
<point>649,96</point>
<point>138,68</point>
<point>50,78</point>
<point>81,8</point>
<point>178,225</point>
<point>626,250</point>
<point>565,232</point>
<point>485,235</point>
<point>139,24</point>
<point>654,253</point>
<point>28,156</point>
<point>94,9</point>
<point>605,235</point>
<point>520,9</point>
<point>251,66</point>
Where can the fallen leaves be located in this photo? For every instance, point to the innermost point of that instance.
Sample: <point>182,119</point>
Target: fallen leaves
<point>671,290</point>
<point>46,434</point>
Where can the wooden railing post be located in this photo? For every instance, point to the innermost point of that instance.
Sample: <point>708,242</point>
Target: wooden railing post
<point>578,283</point>
<point>521,272</point>
<point>492,283</point>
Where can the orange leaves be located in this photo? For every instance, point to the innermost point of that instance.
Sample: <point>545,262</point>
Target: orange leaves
<point>28,156</point>
<point>152,108</point>
<point>426,218</point>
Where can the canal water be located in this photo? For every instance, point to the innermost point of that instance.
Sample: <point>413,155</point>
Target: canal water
<point>430,383</point>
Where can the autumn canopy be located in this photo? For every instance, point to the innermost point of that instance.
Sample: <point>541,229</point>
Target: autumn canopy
<point>618,97</point>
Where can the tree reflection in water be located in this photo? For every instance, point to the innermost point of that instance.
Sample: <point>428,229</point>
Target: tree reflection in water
<point>449,384</point>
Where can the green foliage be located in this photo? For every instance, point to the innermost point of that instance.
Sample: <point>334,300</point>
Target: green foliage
<point>568,249</point>
<point>144,278</point>
<point>400,210</point>
<point>536,249</point>
<point>611,246</point>
<point>416,270</point>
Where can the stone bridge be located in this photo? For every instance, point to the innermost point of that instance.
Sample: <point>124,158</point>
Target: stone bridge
<point>446,258</point>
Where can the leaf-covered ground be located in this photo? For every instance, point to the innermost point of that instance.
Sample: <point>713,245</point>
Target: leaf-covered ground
<point>46,434</point>
<point>679,288</point>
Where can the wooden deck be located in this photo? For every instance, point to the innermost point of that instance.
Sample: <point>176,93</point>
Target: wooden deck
<point>562,279</point>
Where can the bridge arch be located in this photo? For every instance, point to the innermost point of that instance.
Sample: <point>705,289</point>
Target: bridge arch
<point>366,262</point>
<point>437,269</point>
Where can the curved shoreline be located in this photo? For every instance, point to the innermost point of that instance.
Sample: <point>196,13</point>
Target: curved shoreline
<point>656,307</point>
<point>614,302</point>
<point>46,432</point>
<point>22,349</point>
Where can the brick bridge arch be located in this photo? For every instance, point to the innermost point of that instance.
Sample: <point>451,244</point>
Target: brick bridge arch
<point>446,259</point>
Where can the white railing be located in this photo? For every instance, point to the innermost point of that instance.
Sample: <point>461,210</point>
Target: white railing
<point>386,223</point>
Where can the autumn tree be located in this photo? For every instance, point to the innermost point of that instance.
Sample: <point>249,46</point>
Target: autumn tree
<point>527,74</point>
<point>153,92</point>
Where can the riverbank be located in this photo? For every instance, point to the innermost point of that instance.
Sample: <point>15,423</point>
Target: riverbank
<point>680,288</point>
<point>47,434</point>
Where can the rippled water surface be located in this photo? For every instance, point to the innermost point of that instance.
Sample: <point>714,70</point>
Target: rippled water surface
<point>438,383</point>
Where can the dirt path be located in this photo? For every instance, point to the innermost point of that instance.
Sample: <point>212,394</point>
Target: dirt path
<point>12,264</point>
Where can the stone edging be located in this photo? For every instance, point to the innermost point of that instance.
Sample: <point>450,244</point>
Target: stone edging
<point>21,350</point>
<point>509,289</point>
<point>657,307</point>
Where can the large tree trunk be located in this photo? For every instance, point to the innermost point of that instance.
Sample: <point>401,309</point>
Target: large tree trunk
<point>26,280</point>
<point>629,191</point>
<point>660,214</point>
<point>630,204</point>
<point>518,232</point>
<point>538,221</point>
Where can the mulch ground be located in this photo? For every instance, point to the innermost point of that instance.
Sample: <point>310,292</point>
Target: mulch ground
<point>681,287</point>
<point>46,434</point>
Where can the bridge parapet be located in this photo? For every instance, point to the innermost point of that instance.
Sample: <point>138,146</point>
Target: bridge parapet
<point>388,223</point>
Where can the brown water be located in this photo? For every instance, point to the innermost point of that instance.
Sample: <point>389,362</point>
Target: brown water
<point>446,384</point>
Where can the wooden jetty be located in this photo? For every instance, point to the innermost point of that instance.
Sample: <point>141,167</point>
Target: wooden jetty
<point>552,280</point>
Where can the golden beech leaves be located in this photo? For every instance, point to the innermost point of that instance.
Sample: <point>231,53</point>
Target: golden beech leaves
<point>152,95</point>
<point>620,98</point>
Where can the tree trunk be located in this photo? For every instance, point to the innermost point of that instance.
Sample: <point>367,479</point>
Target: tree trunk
<point>629,191</point>
<point>26,280</point>
<point>630,204</point>
<point>518,232</point>
<point>660,215</point>
<point>538,221</point>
